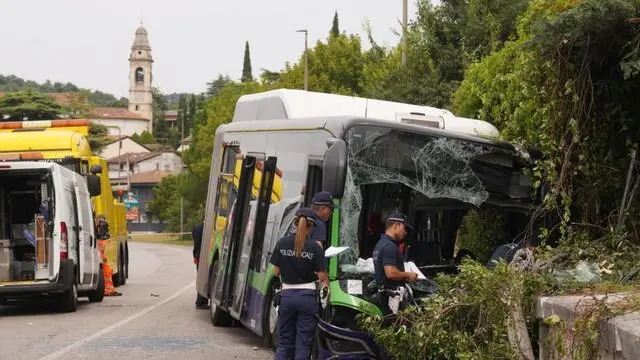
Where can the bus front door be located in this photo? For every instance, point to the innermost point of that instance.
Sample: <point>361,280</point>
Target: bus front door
<point>225,280</point>
<point>252,241</point>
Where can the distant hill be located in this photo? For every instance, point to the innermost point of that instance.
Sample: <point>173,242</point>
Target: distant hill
<point>10,83</point>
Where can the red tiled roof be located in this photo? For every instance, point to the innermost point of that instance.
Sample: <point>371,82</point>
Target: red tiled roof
<point>115,113</point>
<point>149,177</point>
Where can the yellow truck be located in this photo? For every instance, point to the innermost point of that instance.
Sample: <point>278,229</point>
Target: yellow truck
<point>65,142</point>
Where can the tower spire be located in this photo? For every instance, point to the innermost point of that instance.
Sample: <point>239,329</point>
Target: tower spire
<point>140,76</point>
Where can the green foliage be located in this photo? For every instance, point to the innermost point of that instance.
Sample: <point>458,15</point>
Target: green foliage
<point>160,125</point>
<point>29,105</point>
<point>465,319</point>
<point>567,86</point>
<point>335,27</point>
<point>144,138</point>
<point>214,87</point>
<point>12,83</point>
<point>335,67</point>
<point>79,105</point>
<point>481,232</point>
<point>247,74</point>
<point>98,137</point>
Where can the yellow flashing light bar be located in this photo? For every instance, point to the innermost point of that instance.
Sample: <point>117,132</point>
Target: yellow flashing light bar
<point>78,125</point>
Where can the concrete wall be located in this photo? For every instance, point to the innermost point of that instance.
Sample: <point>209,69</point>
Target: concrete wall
<point>619,337</point>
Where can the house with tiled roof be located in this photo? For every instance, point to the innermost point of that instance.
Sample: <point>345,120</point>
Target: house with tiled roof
<point>120,121</point>
<point>138,173</point>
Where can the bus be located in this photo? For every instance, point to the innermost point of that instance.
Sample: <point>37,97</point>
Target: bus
<point>65,142</point>
<point>375,157</point>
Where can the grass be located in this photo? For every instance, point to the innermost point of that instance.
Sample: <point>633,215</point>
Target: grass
<point>162,239</point>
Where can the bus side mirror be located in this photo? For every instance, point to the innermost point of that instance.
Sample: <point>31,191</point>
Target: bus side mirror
<point>93,183</point>
<point>334,167</point>
<point>96,169</point>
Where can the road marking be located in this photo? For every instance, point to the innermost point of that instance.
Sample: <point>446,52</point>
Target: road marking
<point>109,329</point>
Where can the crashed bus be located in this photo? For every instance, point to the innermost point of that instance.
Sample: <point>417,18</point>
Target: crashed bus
<point>375,157</point>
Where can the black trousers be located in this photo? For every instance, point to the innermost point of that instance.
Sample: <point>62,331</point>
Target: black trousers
<point>201,300</point>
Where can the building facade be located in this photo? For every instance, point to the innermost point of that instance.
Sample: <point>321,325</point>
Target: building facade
<point>141,77</point>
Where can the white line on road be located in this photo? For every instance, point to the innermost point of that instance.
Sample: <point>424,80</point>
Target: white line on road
<point>104,331</point>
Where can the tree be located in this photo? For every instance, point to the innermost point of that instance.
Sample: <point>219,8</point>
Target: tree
<point>216,85</point>
<point>29,105</point>
<point>247,75</point>
<point>98,137</point>
<point>183,116</point>
<point>144,138</point>
<point>160,125</point>
<point>335,29</point>
<point>269,77</point>
<point>193,106</point>
<point>335,67</point>
<point>79,105</point>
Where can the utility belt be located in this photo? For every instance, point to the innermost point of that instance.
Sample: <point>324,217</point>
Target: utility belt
<point>322,292</point>
<point>393,296</point>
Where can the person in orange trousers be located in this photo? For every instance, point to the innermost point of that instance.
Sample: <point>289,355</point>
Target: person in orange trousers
<point>109,289</point>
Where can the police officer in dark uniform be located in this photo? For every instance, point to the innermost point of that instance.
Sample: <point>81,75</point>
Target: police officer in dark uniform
<point>322,206</point>
<point>299,261</point>
<point>201,301</point>
<point>388,261</point>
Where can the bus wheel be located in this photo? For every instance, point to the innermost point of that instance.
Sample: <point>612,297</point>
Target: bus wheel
<point>219,317</point>
<point>125,269</point>
<point>270,320</point>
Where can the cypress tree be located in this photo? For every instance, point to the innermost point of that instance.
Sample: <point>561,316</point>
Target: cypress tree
<point>246,69</point>
<point>335,29</point>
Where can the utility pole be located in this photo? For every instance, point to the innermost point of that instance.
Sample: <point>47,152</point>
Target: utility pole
<point>404,32</point>
<point>181,175</point>
<point>306,61</point>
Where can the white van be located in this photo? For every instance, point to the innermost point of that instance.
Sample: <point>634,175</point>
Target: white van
<point>47,237</point>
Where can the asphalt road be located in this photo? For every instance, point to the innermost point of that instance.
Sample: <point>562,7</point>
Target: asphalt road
<point>155,319</point>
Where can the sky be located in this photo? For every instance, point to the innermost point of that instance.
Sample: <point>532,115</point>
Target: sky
<point>88,42</point>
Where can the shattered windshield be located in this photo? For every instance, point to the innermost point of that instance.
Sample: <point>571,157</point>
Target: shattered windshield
<point>433,166</point>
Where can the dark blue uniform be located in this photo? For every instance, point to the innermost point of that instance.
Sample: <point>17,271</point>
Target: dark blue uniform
<point>387,252</point>
<point>297,319</point>
<point>201,301</point>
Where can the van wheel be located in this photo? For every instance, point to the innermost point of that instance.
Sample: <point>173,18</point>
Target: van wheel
<point>219,317</point>
<point>97,295</point>
<point>270,320</point>
<point>69,299</point>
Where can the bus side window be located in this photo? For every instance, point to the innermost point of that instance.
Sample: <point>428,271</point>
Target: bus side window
<point>314,181</point>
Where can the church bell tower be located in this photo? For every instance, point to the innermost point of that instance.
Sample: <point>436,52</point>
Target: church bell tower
<point>140,77</point>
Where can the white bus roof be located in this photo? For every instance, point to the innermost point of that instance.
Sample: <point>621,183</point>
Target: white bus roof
<point>298,104</point>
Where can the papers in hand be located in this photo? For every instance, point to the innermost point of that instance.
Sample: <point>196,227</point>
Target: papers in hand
<point>334,251</point>
<point>411,267</point>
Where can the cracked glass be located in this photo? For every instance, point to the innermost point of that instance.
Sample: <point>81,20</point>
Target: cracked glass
<point>433,166</point>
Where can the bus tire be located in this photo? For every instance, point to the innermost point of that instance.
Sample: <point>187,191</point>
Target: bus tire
<point>219,317</point>
<point>123,268</point>
<point>270,320</point>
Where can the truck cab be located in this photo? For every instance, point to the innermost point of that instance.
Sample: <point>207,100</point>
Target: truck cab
<point>48,245</point>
